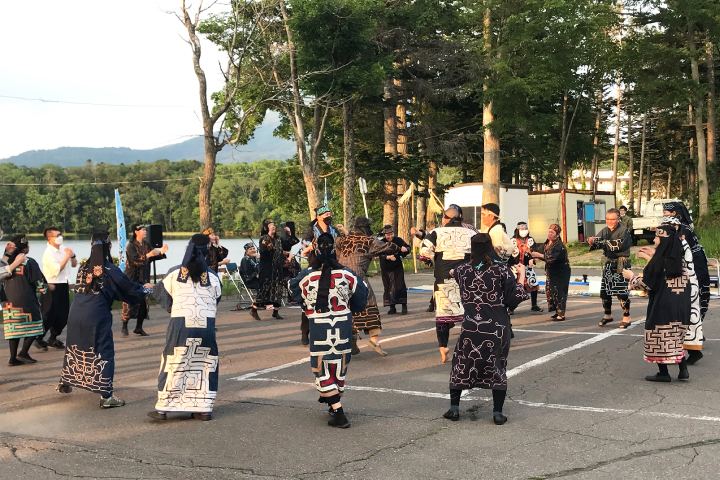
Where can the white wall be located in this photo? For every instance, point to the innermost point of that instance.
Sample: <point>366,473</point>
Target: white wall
<point>513,203</point>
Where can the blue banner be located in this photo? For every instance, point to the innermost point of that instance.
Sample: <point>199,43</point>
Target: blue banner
<point>122,240</point>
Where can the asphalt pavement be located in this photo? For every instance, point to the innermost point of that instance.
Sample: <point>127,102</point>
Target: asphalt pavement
<point>578,407</point>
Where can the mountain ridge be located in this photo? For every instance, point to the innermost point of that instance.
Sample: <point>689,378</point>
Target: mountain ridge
<point>263,145</point>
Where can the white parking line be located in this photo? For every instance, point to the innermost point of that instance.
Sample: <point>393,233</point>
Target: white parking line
<point>250,375</point>
<point>551,356</point>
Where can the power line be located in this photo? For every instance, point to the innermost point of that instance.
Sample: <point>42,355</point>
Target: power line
<point>94,104</point>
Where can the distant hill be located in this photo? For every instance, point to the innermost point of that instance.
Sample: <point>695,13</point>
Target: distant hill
<point>262,146</point>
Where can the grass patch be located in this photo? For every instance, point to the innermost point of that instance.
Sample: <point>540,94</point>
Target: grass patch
<point>708,231</point>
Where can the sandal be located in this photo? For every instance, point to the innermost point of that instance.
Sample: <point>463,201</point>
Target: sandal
<point>377,348</point>
<point>624,324</point>
<point>605,321</point>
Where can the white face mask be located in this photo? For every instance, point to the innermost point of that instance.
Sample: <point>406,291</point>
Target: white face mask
<point>59,240</point>
<point>523,233</point>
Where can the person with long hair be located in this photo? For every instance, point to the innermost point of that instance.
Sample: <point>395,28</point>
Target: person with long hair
<point>557,271</point>
<point>393,273</point>
<point>666,279</point>
<point>677,214</point>
<point>329,294</point>
<point>355,251</point>
<point>139,257</point>
<point>524,245</point>
<point>274,251</point>
<point>89,361</point>
<point>190,292</point>
<point>21,312</point>
<point>487,290</point>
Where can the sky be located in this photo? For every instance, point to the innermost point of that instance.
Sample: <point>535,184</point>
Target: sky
<point>97,51</point>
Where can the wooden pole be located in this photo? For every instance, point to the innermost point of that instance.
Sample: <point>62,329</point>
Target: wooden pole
<point>412,237</point>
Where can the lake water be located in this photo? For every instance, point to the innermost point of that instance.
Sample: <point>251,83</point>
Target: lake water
<point>175,253</point>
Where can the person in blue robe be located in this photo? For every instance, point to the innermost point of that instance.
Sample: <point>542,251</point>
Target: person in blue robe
<point>190,292</point>
<point>329,294</point>
<point>89,361</point>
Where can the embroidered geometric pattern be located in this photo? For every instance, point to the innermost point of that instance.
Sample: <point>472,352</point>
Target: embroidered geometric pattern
<point>85,369</point>
<point>187,386</point>
<point>195,304</point>
<point>447,302</point>
<point>331,376</point>
<point>18,324</point>
<point>664,344</point>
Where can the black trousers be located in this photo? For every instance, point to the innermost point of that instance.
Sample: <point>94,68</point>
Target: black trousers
<point>55,307</point>
<point>304,324</point>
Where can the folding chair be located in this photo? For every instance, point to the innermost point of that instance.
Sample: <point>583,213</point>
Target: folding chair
<point>244,294</point>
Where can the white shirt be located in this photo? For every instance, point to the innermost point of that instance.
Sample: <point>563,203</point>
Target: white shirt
<point>504,246</point>
<point>52,258</point>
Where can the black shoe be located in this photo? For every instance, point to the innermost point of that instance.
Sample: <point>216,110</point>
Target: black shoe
<point>141,332</point>
<point>554,316</point>
<point>63,388</point>
<point>124,330</point>
<point>404,309</point>
<point>157,415</point>
<point>276,315</point>
<point>254,314</point>
<point>202,416</point>
<point>658,378</point>
<point>511,312</point>
<point>305,339</point>
<point>392,311</point>
<point>558,319</point>
<point>339,419</point>
<point>535,308</point>
<point>14,362</point>
<point>26,358</point>
<point>453,415</point>
<point>430,309</point>
<point>684,374</point>
<point>694,356</point>
<point>499,418</point>
<point>354,349</point>
<point>41,344</point>
<point>57,344</point>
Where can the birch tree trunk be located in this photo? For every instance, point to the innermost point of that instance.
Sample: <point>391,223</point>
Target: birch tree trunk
<point>711,132</point>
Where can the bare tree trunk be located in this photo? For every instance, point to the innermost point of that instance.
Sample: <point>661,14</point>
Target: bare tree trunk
<point>491,142</point>
<point>642,165</point>
<point>404,211</point>
<point>206,183</point>
<point>390,130</point>
<point>699,131</point>
<point>711,132</point>
<point>420,208</point>
<point>595,160</point>
<point>669,181</point>
<point>349,162</point>
<point>631,197</point>
<point>562,173</point>
<point>307,165</point>
<point>649,181</point>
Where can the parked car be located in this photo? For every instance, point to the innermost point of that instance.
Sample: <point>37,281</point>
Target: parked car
<point>644,226</point>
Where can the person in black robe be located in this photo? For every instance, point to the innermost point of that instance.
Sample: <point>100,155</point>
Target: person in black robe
<point>666,279</point>
<point>393,273</point>
<point>139,255</point>
<point>273,254</point>
<point>557,271</point>
<point>89,361</point>
<point>615,241</point>
<point>217,254</point>
<point>684,225</point>
<point>250,267</point>
<point>488,289</point>
<point>21,313</point>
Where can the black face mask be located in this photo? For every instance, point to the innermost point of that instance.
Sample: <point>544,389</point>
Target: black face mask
<point>328,220</point>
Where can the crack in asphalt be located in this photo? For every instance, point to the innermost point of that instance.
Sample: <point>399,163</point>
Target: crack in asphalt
<point>625,458</point>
